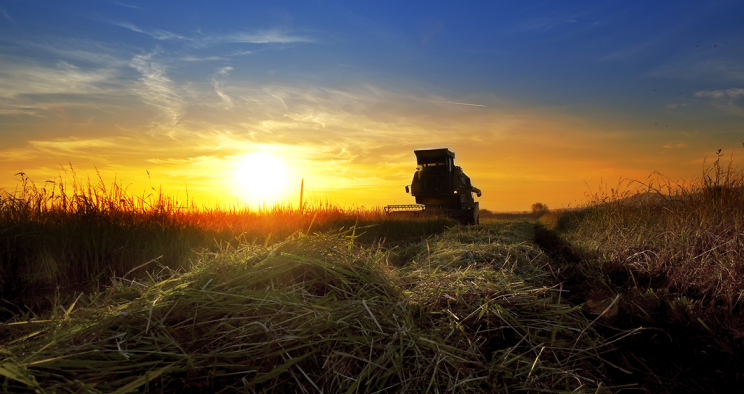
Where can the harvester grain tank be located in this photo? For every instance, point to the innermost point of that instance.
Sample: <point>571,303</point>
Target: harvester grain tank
<point>440,187</point>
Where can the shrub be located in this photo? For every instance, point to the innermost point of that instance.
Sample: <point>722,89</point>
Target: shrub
<point>539,208</point>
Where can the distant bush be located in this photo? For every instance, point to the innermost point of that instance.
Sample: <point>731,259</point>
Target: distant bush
<point>485,213</point>
<point>539,208</point>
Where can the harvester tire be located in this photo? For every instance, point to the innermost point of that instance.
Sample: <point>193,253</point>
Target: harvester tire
<point>472,219</point>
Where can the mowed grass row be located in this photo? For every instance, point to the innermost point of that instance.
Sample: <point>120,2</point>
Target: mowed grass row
<point>474,309</point>
<point>59,238</point>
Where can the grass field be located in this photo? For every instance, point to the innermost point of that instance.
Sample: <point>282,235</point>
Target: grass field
<point>59,238</point>
<point>674,253</point>
<point>470,310</point>
<point>638,291</point>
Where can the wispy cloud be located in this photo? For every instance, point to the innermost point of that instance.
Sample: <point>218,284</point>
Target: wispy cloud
<point>23,77</point>
<point>265,37</point>
<point>727,99</point>
<point>716,94</point>
<point>545,23</point>
<point>725,62</point>
<point>72,145</point>
<point>633,50</point>
<point>722,68</point>
<point>219,86</point>
<point>11,109</point>
<point>154,33</point>
<point>5,14</point>
<point>90,52</point>
<point>274,36</point>
<point>64,74</point>
<point>127,5</point>
<point>62,149</point>
<point>241,53</point>
<point>427,28</point>
<point>675,105</point>
<point>18,155</point>
<point>159,92</point>
<point>202,59</point>
<point>363,116</point>
<point>458,103</point>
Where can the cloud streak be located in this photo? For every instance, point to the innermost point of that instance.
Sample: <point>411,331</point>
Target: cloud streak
<point>545,23</point>
<point>158,91</point>
<point>716,94</point>
<point>202,59</point>
<point>219,86</point>
<point>272,36</point>
<point>29,88</point>
<point>154,33</point>
<point>5,14</point>
<point>125,5</point>
<point>458,103</point>
<point>90,52</point>
<point>726,63</point>
<point>265,37</point>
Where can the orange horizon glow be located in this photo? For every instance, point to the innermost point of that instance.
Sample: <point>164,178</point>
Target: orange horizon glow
<point>516,156</point>
<point>237,102</point>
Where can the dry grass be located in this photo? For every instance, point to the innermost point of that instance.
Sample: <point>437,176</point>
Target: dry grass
<point>673,252</point>
<point>472,310</point>
<point>61,237</point>
<point>685,237</point>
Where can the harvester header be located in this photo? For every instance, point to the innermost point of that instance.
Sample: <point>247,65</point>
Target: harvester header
<point>440,187</point>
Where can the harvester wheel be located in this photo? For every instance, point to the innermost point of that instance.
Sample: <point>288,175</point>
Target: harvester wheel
<point>473,219</point>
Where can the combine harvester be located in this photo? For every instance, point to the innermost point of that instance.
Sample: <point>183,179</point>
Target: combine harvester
<point>440,188</point>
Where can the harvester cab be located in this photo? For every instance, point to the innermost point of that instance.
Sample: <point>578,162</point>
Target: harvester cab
<point>440,187</point>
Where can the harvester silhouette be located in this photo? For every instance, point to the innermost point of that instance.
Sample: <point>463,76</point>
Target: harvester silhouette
<point>440,188</point>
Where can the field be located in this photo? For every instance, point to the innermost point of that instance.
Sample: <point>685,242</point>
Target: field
<point>59,237</point>
<point>673,252</point>
<point>640,290</point>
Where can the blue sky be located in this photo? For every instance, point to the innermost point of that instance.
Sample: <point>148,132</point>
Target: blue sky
<point>537,99</point>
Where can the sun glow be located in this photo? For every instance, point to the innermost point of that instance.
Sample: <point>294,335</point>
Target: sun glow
<point>261,177</point>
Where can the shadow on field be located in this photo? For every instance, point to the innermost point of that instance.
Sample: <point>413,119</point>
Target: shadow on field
<point>683,347</point>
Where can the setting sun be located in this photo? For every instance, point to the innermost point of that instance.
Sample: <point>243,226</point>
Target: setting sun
<point>261,177</point>
<point>387,196</point>
<point>241,101</point>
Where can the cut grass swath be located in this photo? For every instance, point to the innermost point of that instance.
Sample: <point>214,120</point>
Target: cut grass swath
<point>311,313</point>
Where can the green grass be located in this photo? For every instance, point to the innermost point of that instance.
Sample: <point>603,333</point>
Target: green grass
<point>473,309</point>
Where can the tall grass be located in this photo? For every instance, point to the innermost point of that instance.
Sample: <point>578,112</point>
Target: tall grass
<point>64,235</point>
<point>673,252</point>
<point>687,237</point>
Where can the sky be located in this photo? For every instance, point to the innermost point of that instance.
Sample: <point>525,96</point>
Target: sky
<point>238,101</point>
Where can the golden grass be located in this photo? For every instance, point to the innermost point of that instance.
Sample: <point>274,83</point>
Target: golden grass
<point>475,309</point>
<point>61,237</point>
<point>684,236</point>
<point>670,256</point>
